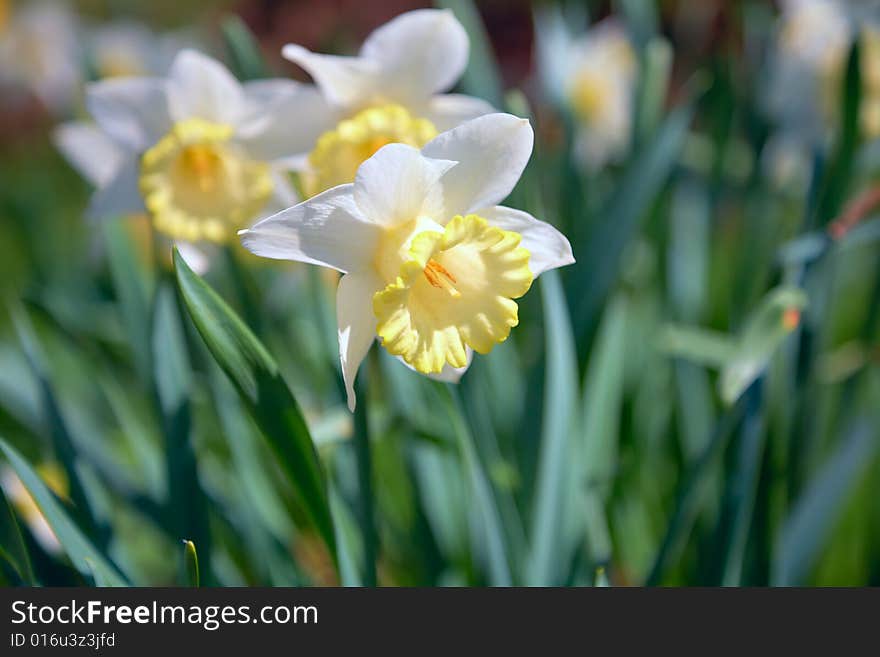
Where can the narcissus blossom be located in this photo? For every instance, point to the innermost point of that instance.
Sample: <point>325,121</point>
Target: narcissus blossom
<point>197,150</point>
<point>432,265</point>
<point>391,92</point>
<point>127,48</point>
<point>594,76</point>
<point>40,53</point>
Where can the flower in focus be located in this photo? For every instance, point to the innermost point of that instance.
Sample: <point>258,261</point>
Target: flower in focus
<point>197,150</point>
<point>431,264</point>
<point>39,53</point>
<point>594,77</point>
<point>389,93</point>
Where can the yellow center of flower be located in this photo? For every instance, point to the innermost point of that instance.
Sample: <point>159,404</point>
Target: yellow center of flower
<point>199,185</point>
<point>119,65</point>
<point>454,289</point>
<point>589,95</point>
<point>339,152</point>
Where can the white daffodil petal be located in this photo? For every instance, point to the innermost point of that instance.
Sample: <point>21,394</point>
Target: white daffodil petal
<point>448,374</point>
<point>398,184</point>
<point>492,151</point>
<point>326,230</point>
<point>420,52</point>
<point>89,150</point>
<point>289,119</point>
<point>446,111</point>
<point>201,87</point>
<point>120,196</point>
<point>356,324</point>
<point>345,81</point>
<point>547,247</point>
<point>133,111</point>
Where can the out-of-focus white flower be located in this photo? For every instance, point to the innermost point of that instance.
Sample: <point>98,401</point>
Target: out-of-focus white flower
<point>129,49</point>
<point>27,508</point>
<point>39,52</point>
<point>391,92</point>
<point>816,33</point>
<point>431,264</point>
<point>869,113</point>
<point>594,76</point>
<point>807,65</point>
<point>196,149</point>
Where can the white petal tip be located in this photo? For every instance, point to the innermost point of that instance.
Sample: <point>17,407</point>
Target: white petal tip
<point>352,402</point>
<point>243,231</point>
<point>293,52</point>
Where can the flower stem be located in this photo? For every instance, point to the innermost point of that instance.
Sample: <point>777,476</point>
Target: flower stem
<point>365,482</point>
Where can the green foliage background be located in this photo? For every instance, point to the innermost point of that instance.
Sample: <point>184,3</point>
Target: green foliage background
<point>606,442</point>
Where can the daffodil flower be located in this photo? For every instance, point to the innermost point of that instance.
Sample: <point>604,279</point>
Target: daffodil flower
<point>39,52</point>
<point>197,150</point>
<point>806,65</point>
<point>389,93</point>
<point>432,265</point>
<point>127,48</point>
<point>593,75</point>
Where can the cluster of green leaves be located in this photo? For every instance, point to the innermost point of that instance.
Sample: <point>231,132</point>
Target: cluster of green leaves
<point>656,417</point>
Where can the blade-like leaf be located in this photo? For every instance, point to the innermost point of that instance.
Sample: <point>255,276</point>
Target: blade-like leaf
<point>134,288</point>
<point>840,171</point>
<point>188,502</point>
<point>257,379</point>
<point>12,547</point>
<point>692,493</point>
<point>602,402</point>
<point>807,528</point>
<point>623,216</point>
<point>190,564</point>
<point>84,556</point>
<point>697,345</point>
<point>245,57</point>
<point>481,492</point>
<point>554,470</point>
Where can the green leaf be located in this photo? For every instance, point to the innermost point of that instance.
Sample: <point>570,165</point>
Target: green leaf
<point>697,345</point>
<point>692,494</point>
<point>245,58</point>
<point>657,62</point>
<point>481,77</point>
<point>602,404</point>
<point>84,556</point>
<point>62,440</point>
<point>259,383</point>
<point>622,218</point>
<point>188,504</point>
<point>743,488</point>
<point>366,504</point>
<point>554,464</point>
<point>190,564</point>
<point>12,546</point>
<point>134,289</point>
<point>809,525</point>
<point>840,171</point>
<point>481,492</point>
